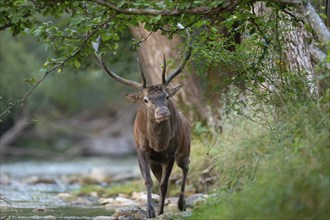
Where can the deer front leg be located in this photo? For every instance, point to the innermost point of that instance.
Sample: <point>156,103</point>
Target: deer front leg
<point>145,171</point>
<point>167,169</point>
<point>181,201</point>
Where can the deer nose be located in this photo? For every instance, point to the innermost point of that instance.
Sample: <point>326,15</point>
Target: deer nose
<point>162,113</point>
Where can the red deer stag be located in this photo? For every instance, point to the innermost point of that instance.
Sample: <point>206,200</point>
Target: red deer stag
<point>161,132</point>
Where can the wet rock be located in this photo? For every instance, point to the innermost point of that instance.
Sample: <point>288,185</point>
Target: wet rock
<point>196,200</point>
<point>99,175</point>
<point>49,217</point>
<point>104,201</point>
<point>38,180</point>
<point>41,210</point>
<point>128,213</point>
<point>125,176</point>
<point>104,218</point>
<point>171,200</point>
<point>141,197</point>
<point>120,202</point>
<point>4,179</point>
<point>172,215</point>
<point>66,197</point>
<point>96,176</point>
<point>81,201</point>
<point>94,194</point>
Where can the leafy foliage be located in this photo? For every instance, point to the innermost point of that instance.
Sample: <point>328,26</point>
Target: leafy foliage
<point>277,173</point>
<point>68,28</point>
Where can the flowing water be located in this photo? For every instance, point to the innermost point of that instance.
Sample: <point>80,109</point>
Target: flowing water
<point>27,199</point>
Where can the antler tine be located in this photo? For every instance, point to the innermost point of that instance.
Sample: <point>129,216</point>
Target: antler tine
<point>164,71</point>
<point>182,64</point>
<point>142,74</point>
<point>115,76</point>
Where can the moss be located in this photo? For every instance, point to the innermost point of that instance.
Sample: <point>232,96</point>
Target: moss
<point>112,190</point>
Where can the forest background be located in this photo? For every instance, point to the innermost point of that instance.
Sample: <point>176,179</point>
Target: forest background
<point>256,90</point>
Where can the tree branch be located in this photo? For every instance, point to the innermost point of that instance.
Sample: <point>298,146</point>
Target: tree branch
<point>311,17</point>
<point>316,21</point>
<point>203,10</point>
<point>58,66</point>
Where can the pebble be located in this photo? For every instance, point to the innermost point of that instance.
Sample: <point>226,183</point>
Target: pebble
<point>141,197</point>
<point>120,202</point>
<point>196,200</point>
<point>104,218</point>
<point>4,179</point>
<point>81,201</point>
<point>130,213</point>
<point>38,180</point>
<point>41,210</point>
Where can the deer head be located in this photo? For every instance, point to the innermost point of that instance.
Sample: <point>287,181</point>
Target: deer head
<point>155,98</point>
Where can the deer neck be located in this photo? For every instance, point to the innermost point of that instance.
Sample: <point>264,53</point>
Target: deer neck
<point>159,134</point>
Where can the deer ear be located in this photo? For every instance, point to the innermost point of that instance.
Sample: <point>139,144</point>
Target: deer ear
<point>173,91</point>
<point>132,97</point>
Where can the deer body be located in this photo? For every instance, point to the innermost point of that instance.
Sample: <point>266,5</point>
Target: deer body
<point>161,132</point>
<point>162,137</point>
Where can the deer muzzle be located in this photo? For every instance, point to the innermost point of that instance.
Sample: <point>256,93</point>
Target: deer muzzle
<point>162,114</point>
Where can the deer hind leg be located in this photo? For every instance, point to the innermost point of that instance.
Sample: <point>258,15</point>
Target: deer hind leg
<point>184,165</point>
<point>145,171</point>
<point>166,170</point>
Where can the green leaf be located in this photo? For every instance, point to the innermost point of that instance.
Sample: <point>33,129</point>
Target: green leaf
<point>121,4</point>
<point>31,81</point>
<point>76,64</point>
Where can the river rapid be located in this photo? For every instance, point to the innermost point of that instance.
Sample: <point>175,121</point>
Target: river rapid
<point>35,189</point>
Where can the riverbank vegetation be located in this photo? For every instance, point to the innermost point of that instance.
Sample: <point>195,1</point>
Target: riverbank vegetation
<point>279,172</point>
<point>256,91</point>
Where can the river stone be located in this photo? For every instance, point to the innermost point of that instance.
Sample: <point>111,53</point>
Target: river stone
<point>38,180</point>
<point>120,202</point>
<point>129,213</point>
<point>4,179</point>
<point>65,196</point>
<point>81,201</point>
<point>42,210</point>
<point>104,218</point>
<point>49,217</point>
<point>141,197</point>
<point>99,175</point>
<point>104,201</point>
<point>196,200</point>
<point>171,215</point>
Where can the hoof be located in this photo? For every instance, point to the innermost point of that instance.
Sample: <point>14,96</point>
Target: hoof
<point>181,204</point>
<point>151,212</point>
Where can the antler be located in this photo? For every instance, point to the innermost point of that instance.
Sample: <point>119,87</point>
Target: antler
<point>118,78</point>
<point>164,71</point>
<point>180,68</point>
<point>142,74</point>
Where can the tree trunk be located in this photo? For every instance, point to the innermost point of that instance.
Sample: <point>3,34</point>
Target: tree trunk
<point>151,51</point>
<point>298,52</point>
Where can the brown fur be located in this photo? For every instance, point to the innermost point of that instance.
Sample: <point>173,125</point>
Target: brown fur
<point>159,144</point>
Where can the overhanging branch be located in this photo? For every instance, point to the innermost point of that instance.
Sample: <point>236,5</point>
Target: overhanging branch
<point>58,66</point>
<point>203,10</point>
<point>311,17</point>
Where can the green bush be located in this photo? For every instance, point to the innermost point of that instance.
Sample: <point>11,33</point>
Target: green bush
<point>281,173</point>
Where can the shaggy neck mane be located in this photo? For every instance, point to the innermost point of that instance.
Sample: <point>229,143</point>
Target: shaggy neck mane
<point>160,134</point>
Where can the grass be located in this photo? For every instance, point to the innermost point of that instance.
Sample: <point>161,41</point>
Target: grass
<point>282,173</point>
<point>112,190</point>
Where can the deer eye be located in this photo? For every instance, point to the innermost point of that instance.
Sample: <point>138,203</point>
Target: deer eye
<point>145,100</point>
<point>167,97</point>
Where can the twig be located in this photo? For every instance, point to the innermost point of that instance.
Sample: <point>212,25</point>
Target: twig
<point>11,206</point>
<point>146,38</point>
<point>202,10</point>
<point>60,65</point>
